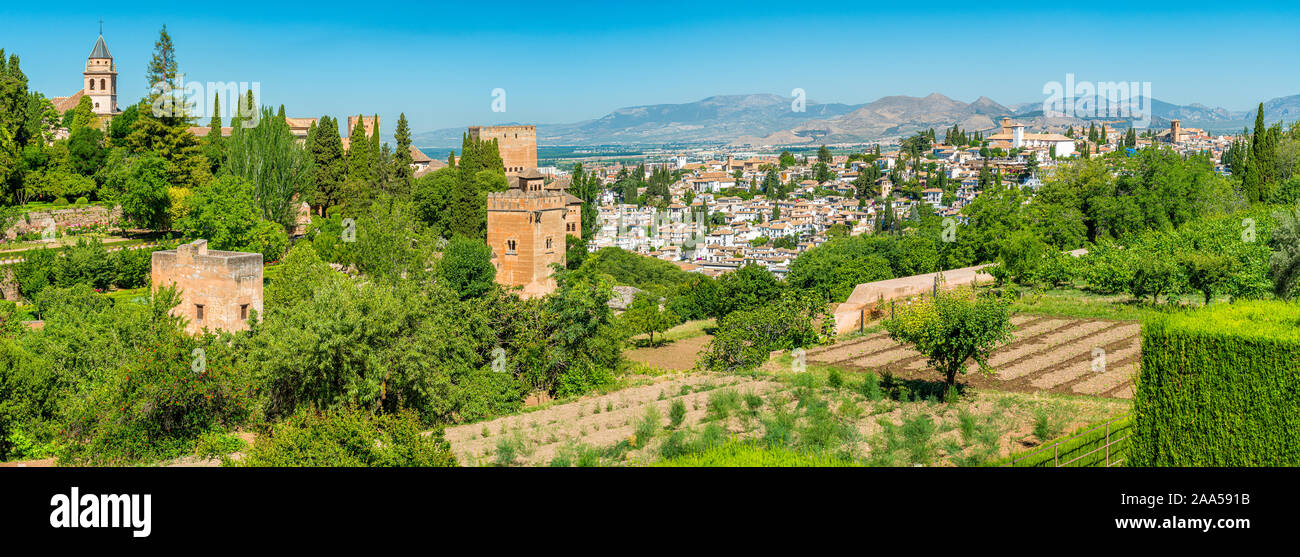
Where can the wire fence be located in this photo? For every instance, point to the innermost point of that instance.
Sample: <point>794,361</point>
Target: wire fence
<point>1102,446</point>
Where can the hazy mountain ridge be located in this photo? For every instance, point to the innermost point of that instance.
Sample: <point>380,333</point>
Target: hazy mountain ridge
<point>767,119</point>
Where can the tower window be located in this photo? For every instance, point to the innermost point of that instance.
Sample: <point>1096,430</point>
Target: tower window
<point>198,312</point>
<point>101,85</point>
<point>510,247</point>
<point>92,85</point>
<point>243,312</point>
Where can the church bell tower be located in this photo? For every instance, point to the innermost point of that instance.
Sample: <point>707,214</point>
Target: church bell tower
<point>101,79</point>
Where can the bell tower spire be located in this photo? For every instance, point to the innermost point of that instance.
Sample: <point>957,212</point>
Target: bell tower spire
<point>100,77</point>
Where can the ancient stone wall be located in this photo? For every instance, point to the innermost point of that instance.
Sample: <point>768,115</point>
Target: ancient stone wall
<point>65,218</point>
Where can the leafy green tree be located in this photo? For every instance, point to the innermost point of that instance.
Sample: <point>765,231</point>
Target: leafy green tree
<point>951,328</point>
<point>748,288</point>
<point>144,196</point>
<point>360,156</point>
<point>1206,273</point>
<point>35,272</point>
<point>1284,262</point>
<point>466,267</point>
<point>214,146</point>
<point>786,160</point>
<point>86,262</point>
<point>1019,258</point>
<point>646,316</point>
<point>744,339</point>
<point>225,213</point>
<point>269,158</point>
<point>149,404</point>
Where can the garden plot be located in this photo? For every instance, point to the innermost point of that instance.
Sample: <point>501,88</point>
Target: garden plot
<point>1053,354</point>
<point>536,437</point>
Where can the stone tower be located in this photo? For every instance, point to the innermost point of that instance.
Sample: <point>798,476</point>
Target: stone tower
<point>101,80</point>
<point>1175,130</point>
<point>219,290</point>
<point>518,145</point>
<point>527,234</point>
<point>368,123</point>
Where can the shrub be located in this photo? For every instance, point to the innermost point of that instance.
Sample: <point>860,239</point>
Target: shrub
<point>132,267</point>
<point>156,406</point>
<point>349,436</point>
<point>834,379</point>
<point>647,426</point>
<point>745,339</point>
<point>1045,428</point>
<point>870,387</point>
<point>1220,387</point>
<point>723,404</point>
<point>61,202</point>
<point>82,201</point>
<point>677,413</point>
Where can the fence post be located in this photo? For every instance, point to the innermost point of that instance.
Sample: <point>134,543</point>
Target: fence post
<point>1056,455</point>
<point>1108,444</point>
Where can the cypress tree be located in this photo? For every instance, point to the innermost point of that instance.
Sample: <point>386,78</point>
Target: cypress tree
<point>359,159</point>
<point>403,174</point>
<point>326,149</point>
<point>1264,150</point>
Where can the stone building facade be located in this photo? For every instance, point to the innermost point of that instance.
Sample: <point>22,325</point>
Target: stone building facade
<point>219,289</point>
<point>518,145</point>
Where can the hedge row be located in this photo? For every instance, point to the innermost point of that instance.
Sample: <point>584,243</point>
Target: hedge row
<point>1220,387</point>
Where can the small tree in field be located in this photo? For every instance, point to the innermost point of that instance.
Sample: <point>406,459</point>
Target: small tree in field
<point>953,327</point>
<point>645,316</point>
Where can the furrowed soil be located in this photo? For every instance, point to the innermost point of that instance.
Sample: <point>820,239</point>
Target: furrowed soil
<point>1095,357</point>
<point>980,427</point>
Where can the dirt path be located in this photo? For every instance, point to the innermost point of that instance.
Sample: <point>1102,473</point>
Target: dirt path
<point>679,355</point>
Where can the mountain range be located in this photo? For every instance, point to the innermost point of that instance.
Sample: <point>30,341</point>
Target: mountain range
<point>766,119</point>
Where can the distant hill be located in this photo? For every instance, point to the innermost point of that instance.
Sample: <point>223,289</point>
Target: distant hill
<point>765,119</point>
<point>713,119</point>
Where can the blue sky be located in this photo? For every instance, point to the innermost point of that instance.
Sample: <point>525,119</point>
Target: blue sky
<point>564,62</point>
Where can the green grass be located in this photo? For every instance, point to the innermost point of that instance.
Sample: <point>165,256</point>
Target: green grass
<point>749,455</point>
<point>1072,302</point>
<point>689,329</point>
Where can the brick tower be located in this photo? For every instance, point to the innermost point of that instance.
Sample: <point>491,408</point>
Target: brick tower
<point>526,233</point>
<point>518,145</point>
<point>219,289</point>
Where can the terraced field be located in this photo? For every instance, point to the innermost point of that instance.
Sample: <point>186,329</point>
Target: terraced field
<point>597,421</point>
<point>999,423</point>
<point>1048,354</point>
